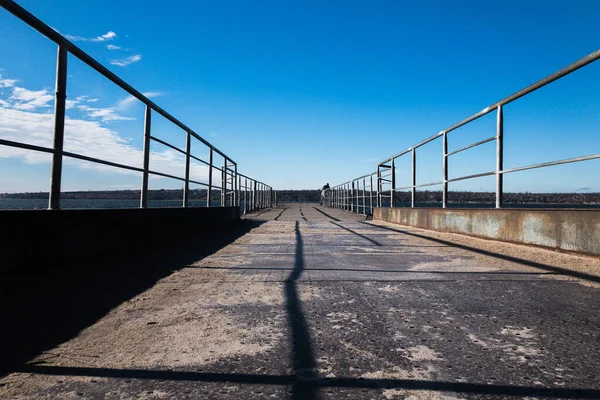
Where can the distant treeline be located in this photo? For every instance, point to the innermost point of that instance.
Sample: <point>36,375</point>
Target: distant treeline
<point>427,196</point>
<point>313,196</point>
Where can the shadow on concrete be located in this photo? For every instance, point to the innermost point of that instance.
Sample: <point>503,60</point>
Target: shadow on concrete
<point>385,271</point>
<point>303,358</point>
<point>45,305</point>
<point>376,243</point>
<point>305,381</point>
<point>327,215</point>
<point>558,270</point>
<point>309,388</point>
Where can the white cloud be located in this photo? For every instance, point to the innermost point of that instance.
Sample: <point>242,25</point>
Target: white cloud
<point>129,100</point>
<point>112,47</point>
<point>110,35</point>
<point>123,62</point>
<point>23,99</point>
<point>23,119</point>
<point>6,83</point>
<point>89,138</point>
<point>106,114</point>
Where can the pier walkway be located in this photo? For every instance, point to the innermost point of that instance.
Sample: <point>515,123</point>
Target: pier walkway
<point>318,303</point>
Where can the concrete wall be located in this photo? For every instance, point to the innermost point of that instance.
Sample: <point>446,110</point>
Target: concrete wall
<point>46,238</point>
<point>572,230</point>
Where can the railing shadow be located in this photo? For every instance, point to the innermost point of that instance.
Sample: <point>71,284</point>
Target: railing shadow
<point>305,381</point>
<point>546,267</point>
<point>375,242</point>
<point>45,305</point>
<point>327,215</point>
<point>303,358</point>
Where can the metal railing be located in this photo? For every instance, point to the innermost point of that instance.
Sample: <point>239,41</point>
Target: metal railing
<point>358,195</point>
<point>251,196</point>
<point>346,197</point>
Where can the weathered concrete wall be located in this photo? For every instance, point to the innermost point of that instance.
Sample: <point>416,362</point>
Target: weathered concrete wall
<point>572,230</point>
<point>45,238</point>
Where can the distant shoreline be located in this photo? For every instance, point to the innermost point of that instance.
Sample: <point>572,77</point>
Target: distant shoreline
<point>314,196</point>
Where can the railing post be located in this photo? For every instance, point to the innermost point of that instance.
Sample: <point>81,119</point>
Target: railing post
<point>357,189</point>
<point>235,190</point>
<point>254,203</point>
<point>146,166</point>
<point>210,176</point>
<point>347,207</point>
<point>244,190</point>
<point>371,194</point>
<point>445,170</point>
<point>364,197</point>
<point>393,183</point>
<point>186,183</point>
<point>414,177</point>
<point>59,128</point>
<point>224,183</point>
<point>499,156</point>
<point>378,194</point>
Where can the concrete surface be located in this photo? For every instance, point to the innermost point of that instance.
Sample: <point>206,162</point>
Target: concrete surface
<point>315,303</point>
<point>564,229</point>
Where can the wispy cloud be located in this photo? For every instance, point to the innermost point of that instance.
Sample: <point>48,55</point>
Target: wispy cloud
<point>33,100</point>
<point>123,62</point>
<point>86,99</point>
<point>113,47</point>
<point>110,35</point>
<point>6,83</point>
<point>106,114</point>
<point>23,99</point>
<point>86,134</point>
<point>129,100</point>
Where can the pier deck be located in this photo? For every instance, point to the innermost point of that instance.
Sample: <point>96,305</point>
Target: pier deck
<point>318,303</point>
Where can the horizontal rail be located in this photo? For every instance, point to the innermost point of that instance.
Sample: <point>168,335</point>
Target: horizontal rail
<point>462,178</point>
<point>167,144</point>
<point>231,183</point>
<point>551,163</point>
<point>381,164</point>
<point>57,38</point>
<point>199,159</point>
<point>472,145</point>
<point>166,175</point>
<point>509,99</point>
<point>25,146</point>
<point>386,182</point>
<point>418,186</point>
<point>590,58</point>
<point>99,161</point>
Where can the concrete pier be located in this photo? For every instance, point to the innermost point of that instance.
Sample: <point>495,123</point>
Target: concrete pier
<point>307,302</point>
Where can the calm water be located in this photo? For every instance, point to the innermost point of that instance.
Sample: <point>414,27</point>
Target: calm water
<point>23,204</point>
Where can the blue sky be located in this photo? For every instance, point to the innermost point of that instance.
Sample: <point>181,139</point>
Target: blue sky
<point>303,93</point>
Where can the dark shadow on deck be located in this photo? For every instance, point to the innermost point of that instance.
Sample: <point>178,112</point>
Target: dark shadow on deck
<point>558,270</point>
<point>303,359</point>
<point>327,215</point>
<point>308,388</point>
<point>45,305</point>
<point>305,380</point>
<point>375,242</point>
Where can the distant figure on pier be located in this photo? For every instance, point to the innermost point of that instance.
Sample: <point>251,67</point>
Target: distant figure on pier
<point>324,193</point>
